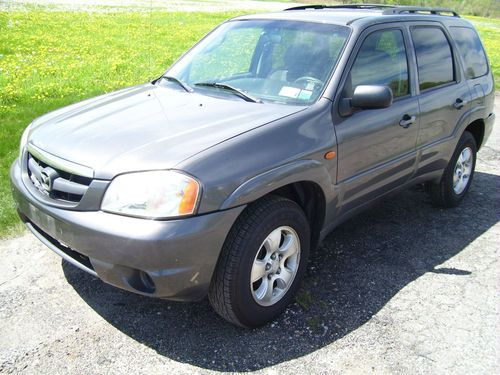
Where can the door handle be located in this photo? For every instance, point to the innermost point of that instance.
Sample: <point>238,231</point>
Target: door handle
<point>407,120</point>
<point>459,103</point>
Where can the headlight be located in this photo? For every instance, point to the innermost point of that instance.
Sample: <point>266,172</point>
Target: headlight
<point>155,194</point>
<point>24,140</point>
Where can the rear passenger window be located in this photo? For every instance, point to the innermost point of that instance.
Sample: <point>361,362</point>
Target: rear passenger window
<point>471,50</point>
<point>381,60</point>
<point>434,57</point>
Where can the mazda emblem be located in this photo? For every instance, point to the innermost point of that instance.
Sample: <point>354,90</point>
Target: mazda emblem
<point>48,176</point>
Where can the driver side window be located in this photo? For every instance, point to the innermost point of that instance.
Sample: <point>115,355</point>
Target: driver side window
<point>381,60</point>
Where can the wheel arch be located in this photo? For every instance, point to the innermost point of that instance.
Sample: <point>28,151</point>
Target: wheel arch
<point>309,196</point>
<point>304,182</point>
<point>476,128</point>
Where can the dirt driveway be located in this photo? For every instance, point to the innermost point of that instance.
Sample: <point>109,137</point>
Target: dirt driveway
<point>403,288</point>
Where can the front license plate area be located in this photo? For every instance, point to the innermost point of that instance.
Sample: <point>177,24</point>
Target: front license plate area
<point>43,221</point>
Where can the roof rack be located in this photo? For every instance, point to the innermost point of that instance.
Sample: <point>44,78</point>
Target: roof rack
<point>419,10</point>
<point>388,9</point>
<point>345,6</point>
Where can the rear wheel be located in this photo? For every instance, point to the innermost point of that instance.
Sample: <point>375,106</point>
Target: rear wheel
<point>262,262</point>
<point>457,177</point>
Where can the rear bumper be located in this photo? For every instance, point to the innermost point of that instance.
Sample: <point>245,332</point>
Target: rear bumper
<point>171,259</point>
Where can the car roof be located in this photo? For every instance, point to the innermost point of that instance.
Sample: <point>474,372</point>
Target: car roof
<point>359,17</point>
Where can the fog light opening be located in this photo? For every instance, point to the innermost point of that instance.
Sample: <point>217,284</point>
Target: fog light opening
<point>147,281</point>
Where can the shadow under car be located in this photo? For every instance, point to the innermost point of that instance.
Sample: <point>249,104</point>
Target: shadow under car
<point>358,268</point>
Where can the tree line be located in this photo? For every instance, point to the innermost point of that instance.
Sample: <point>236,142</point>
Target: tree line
<point>484,8</point>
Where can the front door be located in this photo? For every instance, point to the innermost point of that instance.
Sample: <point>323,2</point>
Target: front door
<point>376,147</point>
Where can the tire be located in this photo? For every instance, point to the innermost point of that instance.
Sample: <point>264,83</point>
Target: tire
<point>447,193</point>
<point>251,242</point>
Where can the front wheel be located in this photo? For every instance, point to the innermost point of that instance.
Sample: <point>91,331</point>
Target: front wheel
<point>457,177</point>
<point>262,262</point>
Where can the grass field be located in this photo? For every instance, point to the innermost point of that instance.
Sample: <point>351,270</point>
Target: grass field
<point>51,59</point>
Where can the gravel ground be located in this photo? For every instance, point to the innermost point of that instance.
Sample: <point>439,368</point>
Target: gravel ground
<point>147,5</point>
<point>403,288</point>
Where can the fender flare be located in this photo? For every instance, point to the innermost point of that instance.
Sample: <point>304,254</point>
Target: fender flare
<point>468,118</point>
<point>299,171</point>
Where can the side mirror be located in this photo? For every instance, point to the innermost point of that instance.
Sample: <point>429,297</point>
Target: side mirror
<point>371,97</point>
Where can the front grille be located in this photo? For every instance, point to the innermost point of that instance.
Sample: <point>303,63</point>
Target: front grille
<point>55,183</point>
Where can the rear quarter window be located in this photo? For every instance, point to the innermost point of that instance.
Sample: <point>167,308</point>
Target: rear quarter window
<point>471,50</point>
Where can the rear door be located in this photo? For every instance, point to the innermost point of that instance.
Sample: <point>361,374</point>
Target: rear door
<point>376,153</point>
<point>443,94</point>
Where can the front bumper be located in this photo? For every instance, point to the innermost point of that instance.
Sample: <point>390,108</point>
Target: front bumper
<point>171,259</point>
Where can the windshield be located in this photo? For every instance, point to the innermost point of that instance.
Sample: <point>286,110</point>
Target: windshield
<point>272,60</point>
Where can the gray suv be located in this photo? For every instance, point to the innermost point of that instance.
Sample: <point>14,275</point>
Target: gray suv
<point>222,175</point>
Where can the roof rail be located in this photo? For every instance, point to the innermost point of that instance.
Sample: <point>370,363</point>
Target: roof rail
<point>345,6</point>
<point>387,9</point>
<point>420,10</point>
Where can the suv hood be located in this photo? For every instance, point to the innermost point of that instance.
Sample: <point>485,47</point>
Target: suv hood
<point>146,127</point>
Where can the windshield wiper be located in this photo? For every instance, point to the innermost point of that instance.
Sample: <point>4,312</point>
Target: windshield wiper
<point>240,93</point>
<point>185,86</point>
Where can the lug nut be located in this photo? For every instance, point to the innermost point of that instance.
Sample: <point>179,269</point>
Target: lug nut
<point>268,267</point>
<point>273,256</point>
<point>270,276</point>
<point>280,257</point>
<point>278,271</point>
